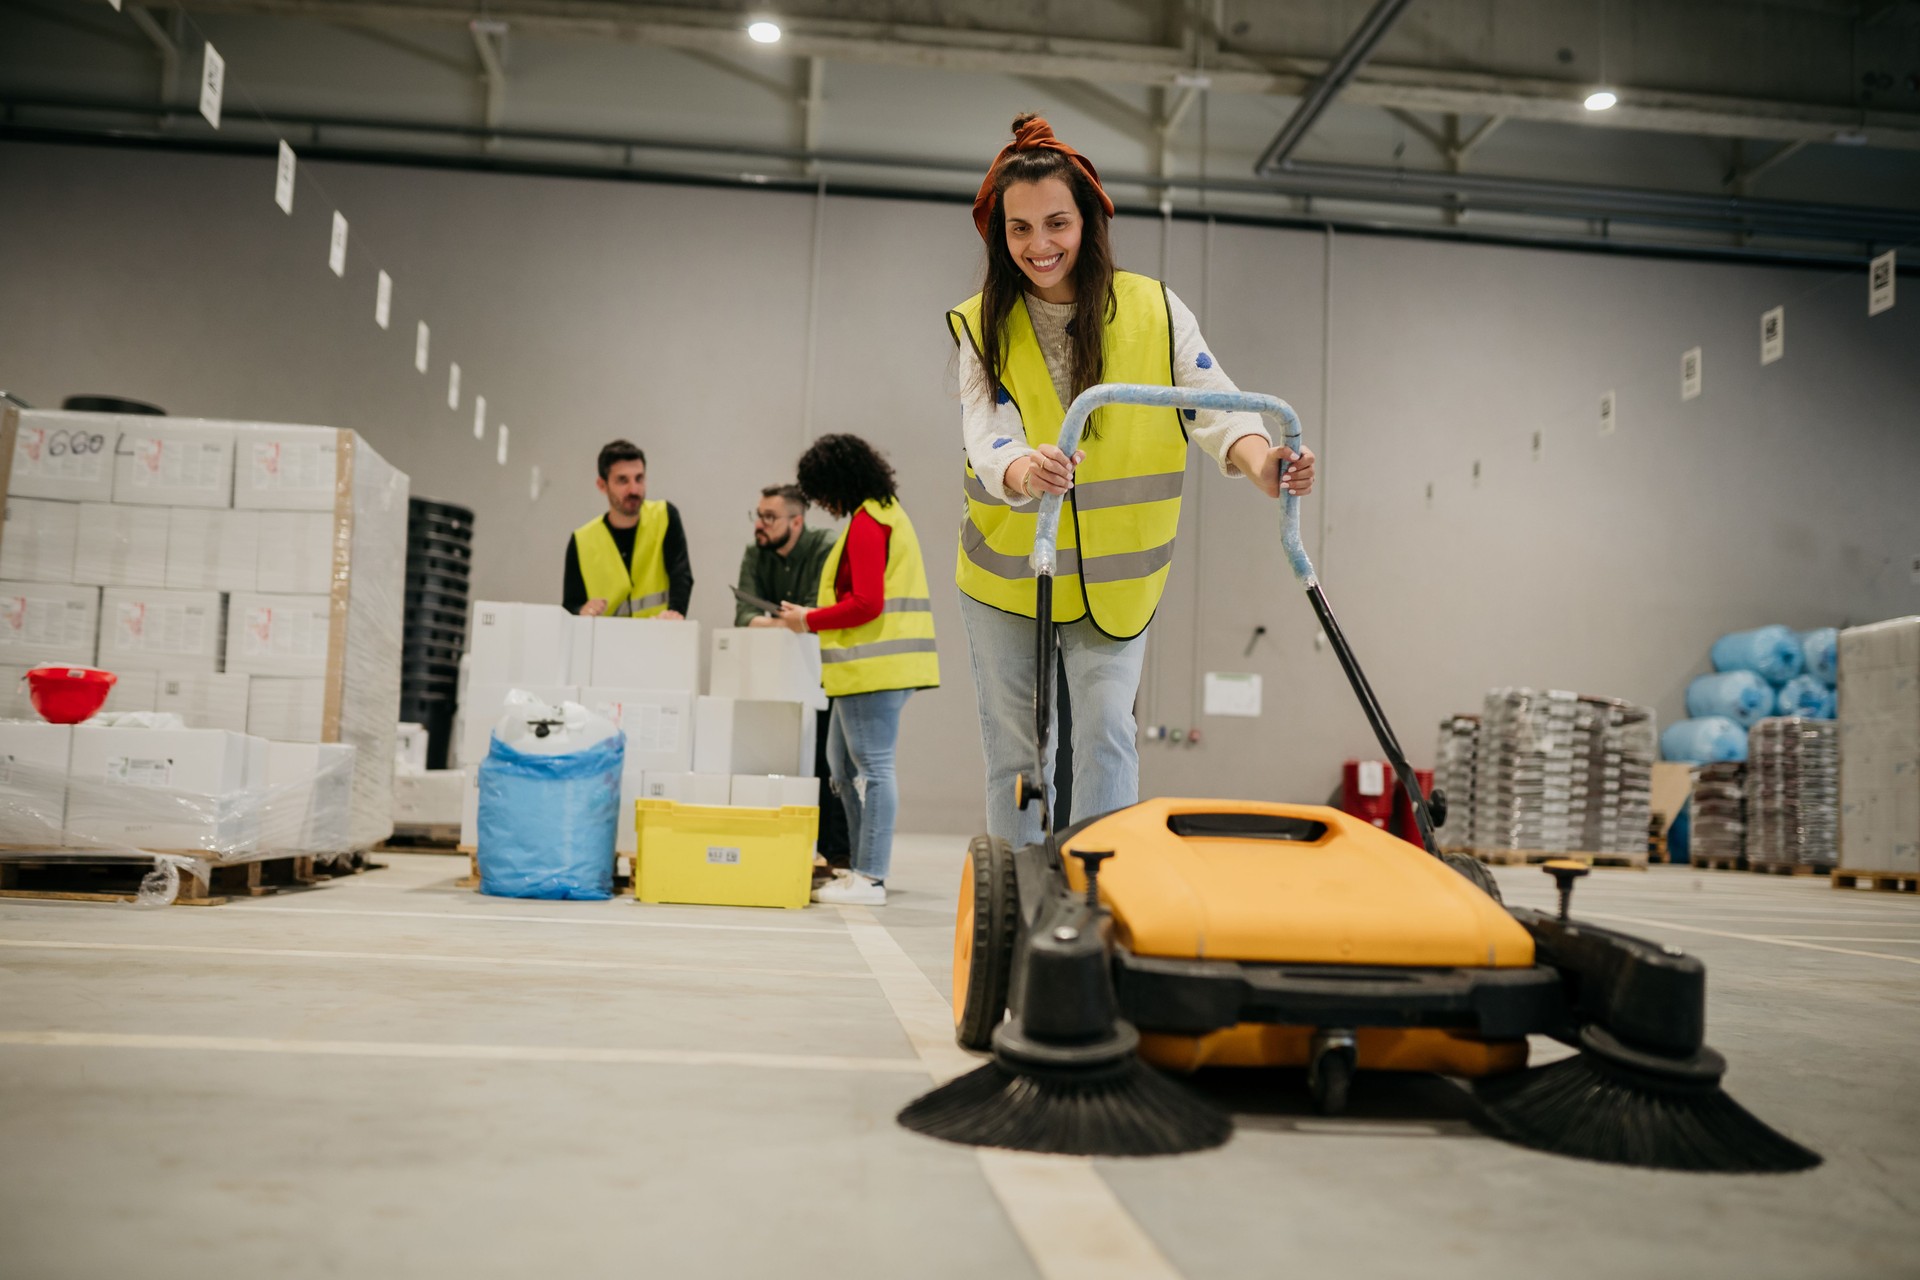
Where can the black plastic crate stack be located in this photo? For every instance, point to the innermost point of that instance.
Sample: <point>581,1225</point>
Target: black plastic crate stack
<point>439,563</point>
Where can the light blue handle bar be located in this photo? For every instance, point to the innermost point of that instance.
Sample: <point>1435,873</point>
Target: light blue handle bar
<point>1047,534</point>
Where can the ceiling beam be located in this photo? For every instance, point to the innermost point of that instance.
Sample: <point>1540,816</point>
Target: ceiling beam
<point>1111,63</point>
<point>1358,48</point>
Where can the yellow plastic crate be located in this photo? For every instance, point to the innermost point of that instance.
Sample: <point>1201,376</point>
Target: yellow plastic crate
<point>724,856</point>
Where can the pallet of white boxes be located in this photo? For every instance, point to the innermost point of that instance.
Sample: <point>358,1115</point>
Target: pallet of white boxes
<point>1879,755</point>
<point>747,743</point>
<point>245,578</point>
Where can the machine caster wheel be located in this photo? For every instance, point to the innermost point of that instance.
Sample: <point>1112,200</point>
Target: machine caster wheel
<point>1330,1071</point>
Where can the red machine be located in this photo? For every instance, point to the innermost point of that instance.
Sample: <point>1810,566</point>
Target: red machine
<point>1368,790</point>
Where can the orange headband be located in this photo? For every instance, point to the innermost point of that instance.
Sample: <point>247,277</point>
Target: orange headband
<point>1035,135</point>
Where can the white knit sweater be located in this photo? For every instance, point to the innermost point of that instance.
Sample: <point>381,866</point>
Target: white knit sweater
<point>995,436</point>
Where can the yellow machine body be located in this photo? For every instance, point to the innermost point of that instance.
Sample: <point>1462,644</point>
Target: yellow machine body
<point>1353,896</point>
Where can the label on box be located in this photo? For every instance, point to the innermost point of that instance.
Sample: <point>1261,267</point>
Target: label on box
<point>1373,778</point>
<point>41,620</point>
<point>285,633</point>
<point>648,726</point>
<point>179,464</point>
<point>285,465</point>
<point>63,453</point>
<point>151,628</point>
<point>722,856</point>
<point>140,771</point>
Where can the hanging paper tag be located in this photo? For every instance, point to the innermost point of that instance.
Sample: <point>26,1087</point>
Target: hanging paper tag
<point>501,455</point>
<point>479,417</point>
<point>420,348</point>
<point>1880,283</point>
<point>383,300</point>
<point>337,250</point>
<point>283,179</point>
<point>1773,335</point>
<point>1609,414</point>
<point>213,78</point>
<point>1690,373</point>
<point>533,490</point>
<point>453,386</point>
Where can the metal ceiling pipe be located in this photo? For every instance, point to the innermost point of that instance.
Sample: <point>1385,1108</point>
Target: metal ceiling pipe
<point>1358,48</point>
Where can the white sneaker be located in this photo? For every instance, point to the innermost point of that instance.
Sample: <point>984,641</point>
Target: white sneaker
<point>851,889</point>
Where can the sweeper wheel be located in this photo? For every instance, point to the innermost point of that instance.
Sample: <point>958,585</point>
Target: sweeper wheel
<point>983,936</point>
<point>1476,872</point>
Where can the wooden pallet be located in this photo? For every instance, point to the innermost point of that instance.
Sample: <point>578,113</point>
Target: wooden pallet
<point>1788,869</point>
<point>118,879</point>
<point>1885,881</point>
<point>1523,857</point>
<point>432,838</point>
<point>1720,864</point>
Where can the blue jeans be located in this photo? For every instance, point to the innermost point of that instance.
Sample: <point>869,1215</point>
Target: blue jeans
<point>860,745</point>
<point>1103,675</point>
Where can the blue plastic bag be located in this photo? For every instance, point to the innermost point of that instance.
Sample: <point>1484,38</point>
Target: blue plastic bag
<point>1773,652</point>
<point>1740,696</point>
<point>1821,648</point>
<point>547,823</point>
<point>1805,695</point>
<point>1703,741</point>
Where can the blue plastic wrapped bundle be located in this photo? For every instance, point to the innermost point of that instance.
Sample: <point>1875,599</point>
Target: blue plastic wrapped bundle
<point>1821,650</point>
<point>1806,696</point>
<point>1703,741</point>
<point>1740,696</point>
<point>1773,652</point>
<point>547,822</point>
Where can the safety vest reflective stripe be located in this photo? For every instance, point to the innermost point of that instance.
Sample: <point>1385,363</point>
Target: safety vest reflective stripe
<point>639,589</point>
<point>630,607</point>
<point>908,605</point>
<point>978,492</point>
<point>1127,490</point>
<point>1126,564</point>
<point>878,649</point>
<point>973,545</point>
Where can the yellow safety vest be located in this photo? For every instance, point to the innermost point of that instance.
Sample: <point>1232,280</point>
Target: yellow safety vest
<point>1116,534</point>
<point>896,649</point>
<point>636,591</point>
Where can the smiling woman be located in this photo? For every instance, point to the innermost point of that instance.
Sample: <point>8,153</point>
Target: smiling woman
<point>1052,318</point>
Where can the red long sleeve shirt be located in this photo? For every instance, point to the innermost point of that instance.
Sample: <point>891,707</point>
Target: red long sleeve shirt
<point>859,589</point>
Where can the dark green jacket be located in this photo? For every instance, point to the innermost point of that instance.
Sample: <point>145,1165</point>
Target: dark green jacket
<point>795,576</point>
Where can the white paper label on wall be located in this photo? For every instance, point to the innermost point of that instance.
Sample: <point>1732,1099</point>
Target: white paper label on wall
<point>479,417</point>
<point>283,179</point>
<point>337,249</point>
<point>1372,778</point>
<point>453,386</point>
<point>500,454</point>
<point>1231,693</point>
<point>1609,414</point>
<point>213,79</point>
<point>383,300</point>
<point>1690,373</point>
<point>1880,283</point>
<point>1773,335</point>
<point>420,347</point>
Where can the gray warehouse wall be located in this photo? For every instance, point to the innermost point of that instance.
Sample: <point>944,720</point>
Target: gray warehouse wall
<point>679,316</point>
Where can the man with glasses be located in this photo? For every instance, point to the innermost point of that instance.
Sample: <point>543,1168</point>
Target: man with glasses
<point>784,563</point>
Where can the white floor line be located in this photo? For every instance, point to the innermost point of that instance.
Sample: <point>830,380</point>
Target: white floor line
<point>242,910</point>
<point>459,1052</point>
<point>422,957</point>
<point>1826,937</point>
<point>1073,1226</point>
<point>1750,937</point>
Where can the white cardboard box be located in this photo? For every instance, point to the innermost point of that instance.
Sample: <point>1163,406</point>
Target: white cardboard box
<point>767,663</point>
<point>150,629</point>
<point>275,635</point>
<point>285,468</point>
<point>633,785</point>
<point>40,540</point>
<point>1879,740</point>
<point>15,701</point>
<point>42,622</point>
<point>470,808</point>
<point>211,550</point>
<point>410,748</point>
<point>133,691</point>
<point>739,735</point>
<point>33,782</point>
<point>580,650</point>
<point>527,644</point>
<point>205,700</point>
<point>688,788</point>
<point>287,709</point>
<point>172,462</point>
<point>483,707</point>
<point>296,552</point>
<point>308,802</point>
<point>119,546</point>
<point>162,789</point>
<point>67,456</point>
<point>645,653</point>
<point>771,791</point>
<point>430,798</point>
<point>658,725</point>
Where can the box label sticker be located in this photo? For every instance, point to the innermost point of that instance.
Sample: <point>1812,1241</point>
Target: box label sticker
<point>144,627</point>
<point>1880,283</point>
<point>140,771</point>
<point>283,179</point>
<point>337,247</point>
<point>213,80</point>
<point>61,454</point>
<point>291,465</point>
<point>719,856</point>
<point>180,464</point>
<point>275,632</point>
<point>1690,373</point>
<point>1773,335</point>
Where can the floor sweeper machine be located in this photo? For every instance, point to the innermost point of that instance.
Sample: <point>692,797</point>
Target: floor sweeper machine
<point>1179,934</point>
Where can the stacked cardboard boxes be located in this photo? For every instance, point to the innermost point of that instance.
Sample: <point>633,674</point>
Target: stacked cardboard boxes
<point>1879,747</point>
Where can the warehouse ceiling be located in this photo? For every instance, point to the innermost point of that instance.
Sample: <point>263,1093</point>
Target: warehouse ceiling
<point>1784,127</point>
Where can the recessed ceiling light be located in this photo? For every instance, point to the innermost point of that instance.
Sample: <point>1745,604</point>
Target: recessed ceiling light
<point>764,32</point>
<point>1601,99</point>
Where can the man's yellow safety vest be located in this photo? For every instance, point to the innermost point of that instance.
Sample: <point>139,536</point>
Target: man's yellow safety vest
<point>896,649</point>
<point>1116,534</point>
<point>636,591</point>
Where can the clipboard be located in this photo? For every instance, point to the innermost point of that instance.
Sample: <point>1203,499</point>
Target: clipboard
<point>767,607</point>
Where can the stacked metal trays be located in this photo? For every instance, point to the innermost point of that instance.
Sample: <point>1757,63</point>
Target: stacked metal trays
<point>1453,774</point>
<point>1793,793</point>
<point>1719,832</point>
<point>439,565</point>
<point>1524,772</point>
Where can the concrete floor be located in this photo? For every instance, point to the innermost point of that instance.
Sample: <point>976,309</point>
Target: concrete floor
<point>388,1076</point>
